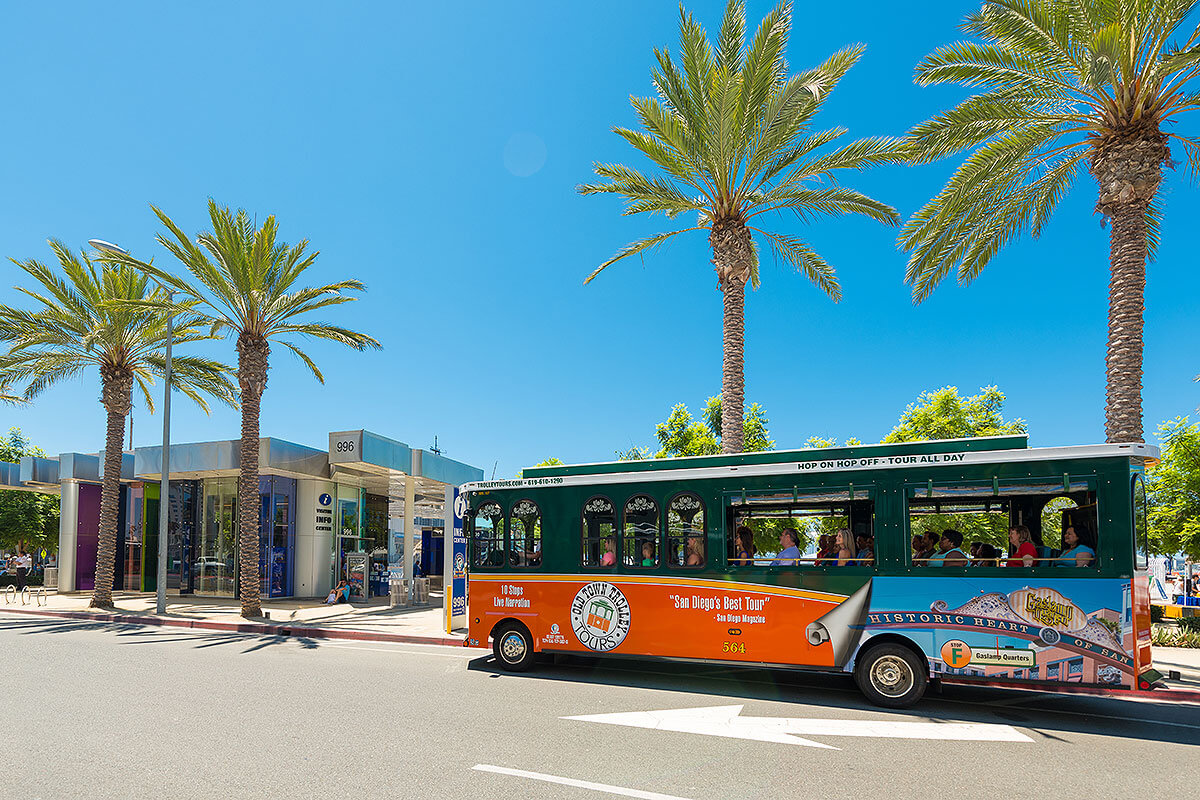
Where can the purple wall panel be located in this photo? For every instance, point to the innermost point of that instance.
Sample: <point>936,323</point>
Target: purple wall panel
<point>87,535</point>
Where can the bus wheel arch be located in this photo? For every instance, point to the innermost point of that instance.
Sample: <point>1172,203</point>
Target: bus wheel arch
<point>513,645</point>
<point>891,671</point>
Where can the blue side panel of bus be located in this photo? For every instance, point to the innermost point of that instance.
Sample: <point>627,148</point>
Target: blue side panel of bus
<point>1023,628</point>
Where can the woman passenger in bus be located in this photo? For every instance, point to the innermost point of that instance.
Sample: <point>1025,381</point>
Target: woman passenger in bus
<point>1021,545</point>
<point>1079,548</point>
<point>695,552</point>
<point>647,554</point>
<point>988,556</point>
<point>949,552</point>
<point>845,553</point>
<point>743,545</point>
<point>610,553</point>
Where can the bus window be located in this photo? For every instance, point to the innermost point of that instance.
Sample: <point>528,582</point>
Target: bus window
<point>525,530</point>
<point>599,533</point>
<point>1059,521</point>
<point>639,532</point>
<point>685,531</point>
<point>1141,523</point>
<point>813,519</point>
<point>487,540</point>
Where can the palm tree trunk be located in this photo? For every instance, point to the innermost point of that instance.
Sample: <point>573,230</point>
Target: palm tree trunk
<point>733,376</point>
<point>1128,172</point>
<point>117,396</point>
<point>253,355</point>
<point>1126,304</point>
<point>734,260</point>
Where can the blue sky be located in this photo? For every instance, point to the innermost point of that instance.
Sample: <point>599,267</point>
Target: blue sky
<point>433,152</point>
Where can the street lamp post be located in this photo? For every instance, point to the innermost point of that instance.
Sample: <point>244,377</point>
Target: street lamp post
<point>164,483</point>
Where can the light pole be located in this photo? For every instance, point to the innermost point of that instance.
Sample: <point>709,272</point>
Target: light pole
<point>164,483</point>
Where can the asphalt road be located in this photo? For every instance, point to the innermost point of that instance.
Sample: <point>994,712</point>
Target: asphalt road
<point>100,710</point>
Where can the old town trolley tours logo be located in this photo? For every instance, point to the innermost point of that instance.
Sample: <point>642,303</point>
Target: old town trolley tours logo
<point>600,616</point>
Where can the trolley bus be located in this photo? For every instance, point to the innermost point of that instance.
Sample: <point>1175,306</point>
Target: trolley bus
<point>726,559</point>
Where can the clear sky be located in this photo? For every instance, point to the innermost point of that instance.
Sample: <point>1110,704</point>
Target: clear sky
<point>432,150</point>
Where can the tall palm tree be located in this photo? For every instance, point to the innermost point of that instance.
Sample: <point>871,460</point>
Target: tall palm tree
<point>244,285</point>
<point>95,315</point>
<point>730,133</point>
<point>1065,84</point>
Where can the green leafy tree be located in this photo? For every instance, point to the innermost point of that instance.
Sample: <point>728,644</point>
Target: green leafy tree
<point>945,415</point>
<point>730,136</point>
<point>1174,485</point>
<point>1063,85</point>
<point>245,285</point>
<point>104,317</point>
<point>683,435</point>
<point>548,462</point>
<point>27,519</point>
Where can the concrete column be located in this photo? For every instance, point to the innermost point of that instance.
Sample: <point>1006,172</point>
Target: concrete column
<point>68,527</point>
<point>410,531</point>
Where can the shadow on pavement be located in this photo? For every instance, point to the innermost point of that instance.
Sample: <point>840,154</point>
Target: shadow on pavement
<point>136,633</point>
<point>1039,714</point>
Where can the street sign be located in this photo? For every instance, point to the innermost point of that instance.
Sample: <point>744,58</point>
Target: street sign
<point>727,721</point>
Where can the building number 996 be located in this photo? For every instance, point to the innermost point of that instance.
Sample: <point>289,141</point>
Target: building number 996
<point>733,647</point>
<point>344,447</point>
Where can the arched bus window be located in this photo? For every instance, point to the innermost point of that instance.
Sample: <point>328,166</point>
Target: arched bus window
<point>1141,523</point>
<point>639,533</point>
<point>685,531</point>
<point>487,535</point>
<point>525,535</point>
<point>599,533</point>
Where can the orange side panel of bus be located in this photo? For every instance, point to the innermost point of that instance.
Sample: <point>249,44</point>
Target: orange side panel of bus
<point>659,616</point>
<point>1140,597</point>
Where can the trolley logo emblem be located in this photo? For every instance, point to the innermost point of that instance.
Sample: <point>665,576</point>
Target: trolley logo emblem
<point>600,616</point>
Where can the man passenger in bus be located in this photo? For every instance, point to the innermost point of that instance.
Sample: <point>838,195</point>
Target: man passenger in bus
<point>1079,548</point>
<point>949,552</point>
<point>647,554</point>
<point>988,556</point>
<point>865,556</point>
<point>789,548</point>
<point>743,545</point>
<point>845,555</point>
<point>610,553</point>
<point>1020,542</point>
<point>826,551</point>
<point>928,546</point>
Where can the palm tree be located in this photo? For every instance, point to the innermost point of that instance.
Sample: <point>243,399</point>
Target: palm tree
<point>1065,84</point>
<point>730,133</point>
<point>96,315</point>
<point>245,286</point>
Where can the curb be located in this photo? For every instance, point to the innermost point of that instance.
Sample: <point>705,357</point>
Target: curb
<point>1165,694</point>
<point>261,628</point>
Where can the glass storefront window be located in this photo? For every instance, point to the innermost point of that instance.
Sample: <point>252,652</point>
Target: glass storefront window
<point>133,540</point>
<point>215,566</point>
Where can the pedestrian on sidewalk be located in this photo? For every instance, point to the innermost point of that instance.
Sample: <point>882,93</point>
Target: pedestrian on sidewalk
<point>24,563</point>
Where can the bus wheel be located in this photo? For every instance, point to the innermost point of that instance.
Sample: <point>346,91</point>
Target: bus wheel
<point>513,647</point>
<point>891,675</point>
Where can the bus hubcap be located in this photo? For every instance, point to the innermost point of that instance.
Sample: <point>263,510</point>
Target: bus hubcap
<point>891,676</point>
<point>513,647</point>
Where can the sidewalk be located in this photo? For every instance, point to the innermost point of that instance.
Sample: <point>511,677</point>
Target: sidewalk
<point>290,617</point>
<point>1184,659</point>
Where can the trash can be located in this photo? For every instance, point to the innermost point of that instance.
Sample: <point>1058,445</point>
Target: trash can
<point>50,577</point>
<point>397,592</point>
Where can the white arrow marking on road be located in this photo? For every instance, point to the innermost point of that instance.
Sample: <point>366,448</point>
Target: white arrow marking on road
<point>727,721</point>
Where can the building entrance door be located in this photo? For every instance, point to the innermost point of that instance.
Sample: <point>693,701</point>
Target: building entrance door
<point>352,564</point>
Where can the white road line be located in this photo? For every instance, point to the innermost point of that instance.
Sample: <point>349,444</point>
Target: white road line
<point>405,651</point>
<point>596,787</point>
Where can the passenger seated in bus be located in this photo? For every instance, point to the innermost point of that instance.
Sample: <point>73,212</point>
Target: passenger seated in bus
<point>949,552</point>
<point>974,551</point>
<point>743,546</point>
<point>610,553</point>
<point>1021,547</point>
<point>989,556</point>
<point>865,556</point>
<point>789,550</point>
<point>647,554</point>
<point>927,547</point>
<point>695,552</point>
<point>825,549</point>
<point>845,555</point>
<point>1079,548</point>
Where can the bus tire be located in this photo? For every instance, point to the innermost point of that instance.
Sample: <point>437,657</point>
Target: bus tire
<point>891,675</point>
<point>512,645</point>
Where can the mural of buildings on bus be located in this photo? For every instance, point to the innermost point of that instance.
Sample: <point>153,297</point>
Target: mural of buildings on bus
<point>1071,631</point>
